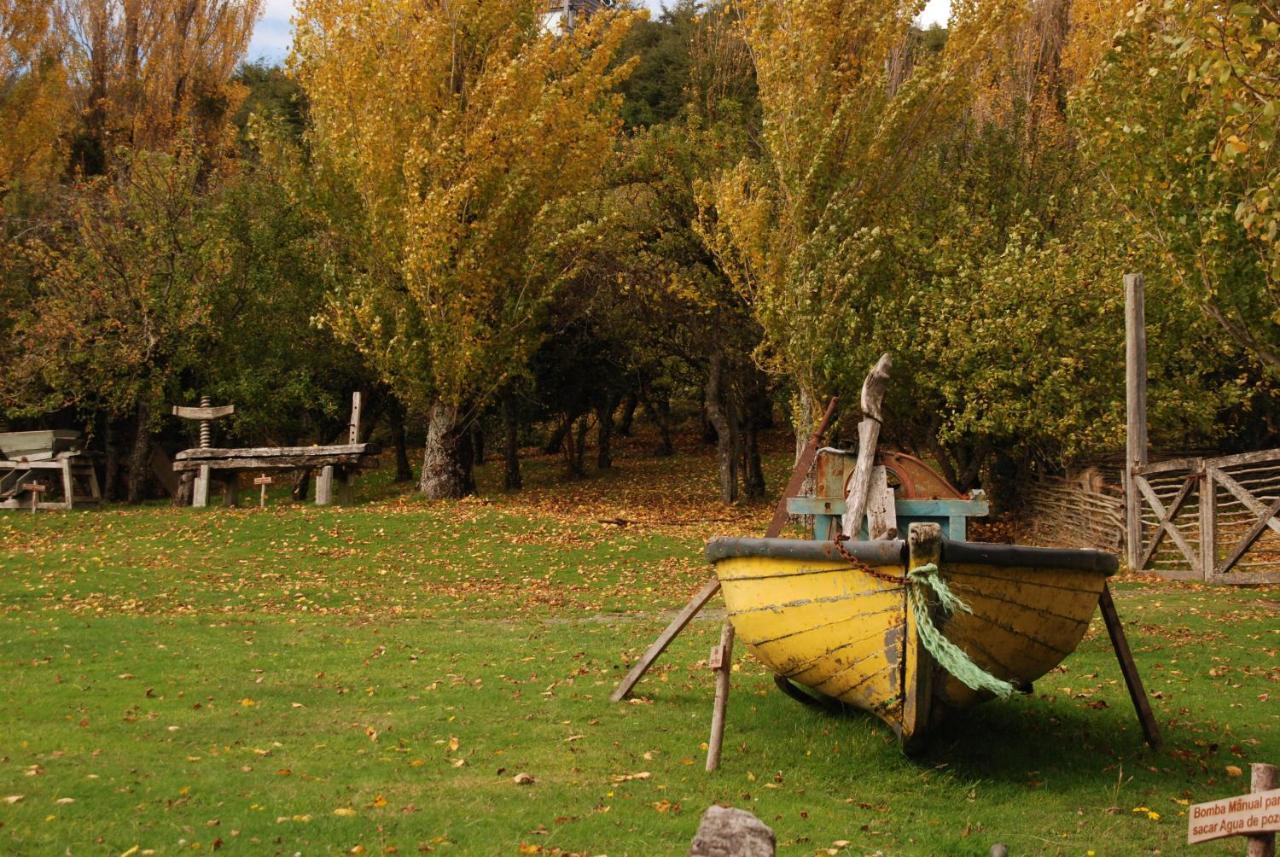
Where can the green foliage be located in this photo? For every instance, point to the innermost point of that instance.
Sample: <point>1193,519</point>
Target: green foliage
<point>1180,119</point>
<point>123,305</point>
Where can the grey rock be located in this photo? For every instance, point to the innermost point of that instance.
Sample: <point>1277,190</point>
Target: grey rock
<point>728,832</point>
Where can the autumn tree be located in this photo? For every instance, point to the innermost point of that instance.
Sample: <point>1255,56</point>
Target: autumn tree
<point>462,125</point>
<point>146,73</point>
<point>808,230</point>
<point>124,299</point>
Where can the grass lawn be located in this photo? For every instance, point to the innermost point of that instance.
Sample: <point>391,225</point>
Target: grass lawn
<point>371,678</point>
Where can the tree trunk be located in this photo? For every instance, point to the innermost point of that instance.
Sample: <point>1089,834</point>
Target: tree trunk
<point>477,444</point>
<point>301,485</point>
<point>629,406</point>
<point>556,442</point>
<point>580,452</point>
<point>111,467</point>
<point>758,416</point>
<point>575,454</point>
<point>719,410</point>
<point>659,410</point>
<point>395,417</point>
<point>138,454</point>
<point>446,462</point>
<point>604,434</point>
<point>512,479</point>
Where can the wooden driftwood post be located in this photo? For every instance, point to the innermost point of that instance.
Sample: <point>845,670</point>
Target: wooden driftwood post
<point>1262,779</point>
<point>1135,361</point>
<point>868,436</point>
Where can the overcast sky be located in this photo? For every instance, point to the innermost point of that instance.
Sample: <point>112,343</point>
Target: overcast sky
<point>274,32</point>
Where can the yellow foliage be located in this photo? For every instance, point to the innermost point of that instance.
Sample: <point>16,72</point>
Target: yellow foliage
<point>461,125</point>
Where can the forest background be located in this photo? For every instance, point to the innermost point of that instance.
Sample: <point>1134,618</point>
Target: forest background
<point>507,237</point>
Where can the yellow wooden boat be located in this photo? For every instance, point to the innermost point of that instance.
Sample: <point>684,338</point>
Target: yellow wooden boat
<point>845,621</point>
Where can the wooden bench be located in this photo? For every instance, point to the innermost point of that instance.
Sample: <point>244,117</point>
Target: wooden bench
<point>224,465</point>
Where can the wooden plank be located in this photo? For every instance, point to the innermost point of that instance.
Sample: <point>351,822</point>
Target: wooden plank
<point>200,491</point>
<point>724,671</point>
<point>279,463</point>
<point>1250,538</point>
<point>1243,495</point>
<point>1170,466</point>
<point>882,520</point>
<point>204,413</point>
<point>1264,456</point>
<point>868,435</point>
<point>1208,497</point>
<point>1164,521</point>
<point>1135,362</point>
<point>278,451</point>
<point>1132,680</point>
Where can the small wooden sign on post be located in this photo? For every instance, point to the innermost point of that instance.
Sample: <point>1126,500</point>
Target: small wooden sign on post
<point>1255,815</point>
<point>264,481</point>
<point>36,489</point>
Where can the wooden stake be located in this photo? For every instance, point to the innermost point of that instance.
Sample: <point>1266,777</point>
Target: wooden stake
<point>36,489</point>
<point>264,481</point>
<point>1263,778</point>
<point>723,665</point>
<point>1133,681</point>
<point>353,427</point>
<point>1135,362</point>
<point>712,586</point>
<point>868,436</point>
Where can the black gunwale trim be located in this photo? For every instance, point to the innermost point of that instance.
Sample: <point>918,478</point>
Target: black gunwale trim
<point>894,552</point>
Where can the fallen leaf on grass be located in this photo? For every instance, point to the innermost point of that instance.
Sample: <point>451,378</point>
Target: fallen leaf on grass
<point>344,812</point>
<point>12,799</point>
<point>523,779</point>
<point>626,778</point>
<point>63,801</point>
<point>1234,771</point>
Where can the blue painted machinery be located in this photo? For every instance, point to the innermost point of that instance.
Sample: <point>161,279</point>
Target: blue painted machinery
<point>920,495</point>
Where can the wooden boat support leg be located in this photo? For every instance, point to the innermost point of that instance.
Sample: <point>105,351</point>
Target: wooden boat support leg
<point>722,662</point>
<point>1133,681</point>
<point>696,603</point>
<point>780,518</point>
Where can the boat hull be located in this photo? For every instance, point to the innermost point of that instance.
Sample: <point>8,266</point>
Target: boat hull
<point>849,633</point>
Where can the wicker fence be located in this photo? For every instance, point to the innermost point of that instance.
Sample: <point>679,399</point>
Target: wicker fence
<point>1215,519</point>
<point>1083,512</point>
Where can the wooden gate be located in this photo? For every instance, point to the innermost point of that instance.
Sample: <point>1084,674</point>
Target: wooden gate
<point>1211,519</point>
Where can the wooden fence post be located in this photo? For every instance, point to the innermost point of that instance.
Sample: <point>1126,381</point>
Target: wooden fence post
<point>1262,778</point>
<point>1135,335</point>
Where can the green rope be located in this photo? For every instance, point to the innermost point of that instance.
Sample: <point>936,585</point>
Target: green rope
<point>948,655</point>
